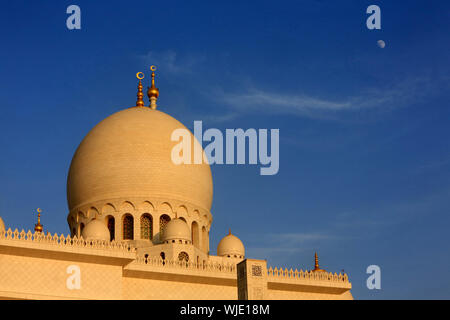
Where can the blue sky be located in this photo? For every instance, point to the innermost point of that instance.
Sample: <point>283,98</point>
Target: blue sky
<point>364,150</point>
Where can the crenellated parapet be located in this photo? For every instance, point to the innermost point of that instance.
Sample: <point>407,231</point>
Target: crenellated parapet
<point>275,274</point>
<point>38,240</point>
<point>229,268</point>
<point>186,272</point>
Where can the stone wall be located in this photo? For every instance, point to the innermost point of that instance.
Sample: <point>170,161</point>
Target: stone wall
<point>38,266</point>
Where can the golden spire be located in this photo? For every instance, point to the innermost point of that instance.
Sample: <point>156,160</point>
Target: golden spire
<point>140,94</point>
<point>316,264</point>
<point>38,227</point>
<point>229,231</point>
<point>152,91</point>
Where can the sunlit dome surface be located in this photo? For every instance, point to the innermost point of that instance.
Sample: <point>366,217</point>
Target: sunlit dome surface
<point>177,229</point>
<point>96,230</point>
<point>231,245</point>
<point>129,155</point>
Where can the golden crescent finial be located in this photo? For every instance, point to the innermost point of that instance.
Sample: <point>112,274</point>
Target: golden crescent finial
<point>38,226</point>
<point>152,91</point>
<point>140,94</point>
<point>140,77</point>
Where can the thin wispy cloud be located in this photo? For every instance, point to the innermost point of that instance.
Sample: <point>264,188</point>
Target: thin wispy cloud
<point>435,164</point>
<point>171,62</point>
<point>253,97</point>
<point>219,118</point>
<point>303,105</point>
<point>271,253</point>
<point>276,244</point>
<point>301,237</point>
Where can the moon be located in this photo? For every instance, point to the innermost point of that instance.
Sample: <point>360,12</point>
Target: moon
<point>381,44</point>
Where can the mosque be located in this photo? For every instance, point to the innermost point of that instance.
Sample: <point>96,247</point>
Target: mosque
<point>139,228</point>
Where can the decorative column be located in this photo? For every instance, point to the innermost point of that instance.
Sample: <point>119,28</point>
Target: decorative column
<point>252,279</point>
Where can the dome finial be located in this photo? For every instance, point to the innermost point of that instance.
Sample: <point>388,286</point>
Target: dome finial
<point>316,263</point>
<point>231,247</point>
<point>152,91</point>
<point>229,231</point>
<point>38,227</point>
<point>140,94</point>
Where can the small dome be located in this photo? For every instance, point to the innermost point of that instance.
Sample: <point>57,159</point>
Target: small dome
<point>96,230</point>
<point>176,229</point>
<point>231,246</point>
<point>2,225</point>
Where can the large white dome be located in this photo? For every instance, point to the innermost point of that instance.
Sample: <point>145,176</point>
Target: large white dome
<point>129,155</point>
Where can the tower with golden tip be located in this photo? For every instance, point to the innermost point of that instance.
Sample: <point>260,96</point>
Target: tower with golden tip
<point>316,264</point>
<point>153,92</point>
<point>140,94</point>
<point>38,227</point>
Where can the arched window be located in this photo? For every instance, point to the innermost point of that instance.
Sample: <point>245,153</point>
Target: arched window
<point>81,229</point>
<point>163,220</point>
<point>111,223</point>
<point>128,227</point>
<point>195,235</point>
<point>205,239</point>
<point>72,222</point>
<point>183,256</point>
<point>146,227</point>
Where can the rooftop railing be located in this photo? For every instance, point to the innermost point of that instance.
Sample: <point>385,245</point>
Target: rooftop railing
<point>275,273</point>
<point>64,241</point>
<point>229,268</point>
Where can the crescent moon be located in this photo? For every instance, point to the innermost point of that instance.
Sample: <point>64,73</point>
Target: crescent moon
<point>39,210</point>
<point>152,68</point>
<point>138,75</point>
